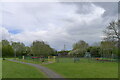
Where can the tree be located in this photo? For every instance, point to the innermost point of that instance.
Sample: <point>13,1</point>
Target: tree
<point>80,45</point>
<point>19,48</point>
<point>112,31</point>
<point>7,50</point>
<point>94,51</point>
<point>40,48</point>
<point>112,34</point>
<point>5,42</point>
<point>79,48</point>
<point>107,48</point>
<point>28,50</point>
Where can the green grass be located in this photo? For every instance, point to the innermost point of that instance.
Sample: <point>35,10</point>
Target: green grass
<point>85,69</point>
<point>0,68</point>
<point>18,70</point>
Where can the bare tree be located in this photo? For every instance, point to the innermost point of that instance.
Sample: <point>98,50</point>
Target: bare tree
<point>112,32</point>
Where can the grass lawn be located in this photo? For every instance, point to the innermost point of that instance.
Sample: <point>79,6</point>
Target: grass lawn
<point>0,68</point>
<point>85,69</point>
<point>18,70</point>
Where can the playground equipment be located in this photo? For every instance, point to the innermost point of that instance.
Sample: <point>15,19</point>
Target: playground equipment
<point>107,59</point>
<point>39,59</point>
<point>51,58</point>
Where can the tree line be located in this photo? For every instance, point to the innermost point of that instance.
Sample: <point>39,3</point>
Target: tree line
<point>108,47</point>
<point>105,49</point>
<point>16,49</point>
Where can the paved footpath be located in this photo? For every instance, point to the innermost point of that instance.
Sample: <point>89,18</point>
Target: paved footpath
<point>48,72</point>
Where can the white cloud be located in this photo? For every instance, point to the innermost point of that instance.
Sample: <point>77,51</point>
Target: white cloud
<point>4,34</point>
<point>56,23</point>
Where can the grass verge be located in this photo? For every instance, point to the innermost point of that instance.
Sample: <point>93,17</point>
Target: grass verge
<point>18,70</point>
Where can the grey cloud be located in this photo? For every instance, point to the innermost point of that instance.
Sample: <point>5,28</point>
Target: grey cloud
<point>65,29</point>
<point>110,7</point>
<point>82,6</point>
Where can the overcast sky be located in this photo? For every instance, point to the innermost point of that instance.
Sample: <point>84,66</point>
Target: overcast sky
<point>56,23</point>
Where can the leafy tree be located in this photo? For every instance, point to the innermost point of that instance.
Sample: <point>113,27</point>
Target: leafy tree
<point>28,50</point>
<point>77,52</point>
<point>79,48</point>
<point>7,50</point>
<point>80,44</point>
<point>5,42</point>
<point>19,48</point>
<point>40,48</point>
<point>95,51</point>
<point>108,48</point>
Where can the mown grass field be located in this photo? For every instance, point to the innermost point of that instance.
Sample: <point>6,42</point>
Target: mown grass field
<point>85,69</point>
<point>0,68</point>
<point>18,70</point>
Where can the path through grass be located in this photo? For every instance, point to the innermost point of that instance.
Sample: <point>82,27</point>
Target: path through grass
<point>18,70</point>
<point>84,68</point>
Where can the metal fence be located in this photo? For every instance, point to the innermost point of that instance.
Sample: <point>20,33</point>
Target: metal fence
<point>66,59</point>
